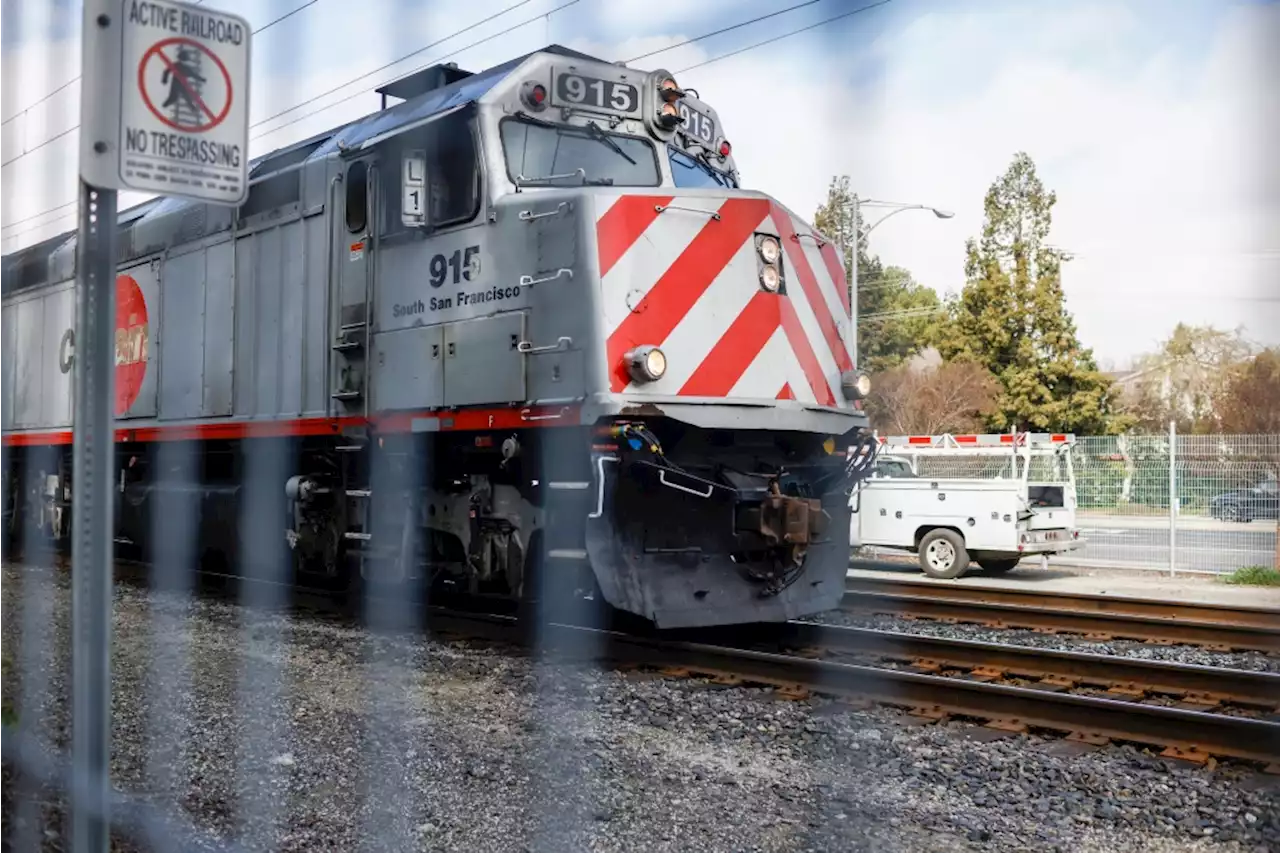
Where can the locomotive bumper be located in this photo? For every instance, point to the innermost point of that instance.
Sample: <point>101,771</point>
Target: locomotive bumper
<point>683,551</point>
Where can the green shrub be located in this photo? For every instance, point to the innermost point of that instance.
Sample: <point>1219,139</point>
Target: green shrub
<point>1254,576</point>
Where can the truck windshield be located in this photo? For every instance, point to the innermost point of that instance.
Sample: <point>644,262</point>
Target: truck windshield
<point>538,152</point>
<point>688,172</point>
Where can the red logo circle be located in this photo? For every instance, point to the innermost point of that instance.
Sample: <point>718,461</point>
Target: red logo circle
<point>132,340</point>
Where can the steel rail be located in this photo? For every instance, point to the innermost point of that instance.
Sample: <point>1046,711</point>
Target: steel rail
<point>1200,685</point>
<point>1257,629</point>
<point>1183,731</point>
<point>1260,617</point>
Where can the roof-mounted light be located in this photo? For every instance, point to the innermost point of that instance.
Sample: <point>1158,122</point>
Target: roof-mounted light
<point>725,149</point>
<point>534,95</point>
<point>669,117</point>
<point>669,91</point>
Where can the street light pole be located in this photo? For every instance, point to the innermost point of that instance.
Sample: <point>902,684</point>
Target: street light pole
<point>859,233</point>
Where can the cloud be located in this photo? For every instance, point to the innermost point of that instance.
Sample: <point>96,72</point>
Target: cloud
<point>1156,159</point>
<point>1149,126</point>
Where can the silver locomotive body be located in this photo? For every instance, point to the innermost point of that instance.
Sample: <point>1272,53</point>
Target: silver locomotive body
<point>520,332</point>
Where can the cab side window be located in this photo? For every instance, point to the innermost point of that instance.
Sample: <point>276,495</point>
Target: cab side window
<point>452,173</point>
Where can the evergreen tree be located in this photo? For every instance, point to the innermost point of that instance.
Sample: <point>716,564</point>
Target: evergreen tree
<point>897,316</point>
<point>1011,317</point>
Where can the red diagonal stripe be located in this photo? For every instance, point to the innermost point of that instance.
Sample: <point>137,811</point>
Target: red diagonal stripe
<point>736,349</point>
<point>837,272</point>
<point>804,354</point>
<point>622,225</point>
<point>786,393</point>
<point>667,303</point>
<point>812,290</point>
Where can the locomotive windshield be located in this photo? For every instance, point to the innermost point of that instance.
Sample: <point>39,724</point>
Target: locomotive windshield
<point>539,152</point>
<point>688,171</point>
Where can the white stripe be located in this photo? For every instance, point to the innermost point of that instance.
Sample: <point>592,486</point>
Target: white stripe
<point>795,377</point>
<point>693,339</point>
<point>813,332</point>
<point>776,365</point>
<point>768,371</point>
<point>830,289</point>
<point>650,256</point>
<point>604,204</point>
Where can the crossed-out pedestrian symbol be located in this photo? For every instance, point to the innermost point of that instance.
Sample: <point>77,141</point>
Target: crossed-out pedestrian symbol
<point>190,83</point>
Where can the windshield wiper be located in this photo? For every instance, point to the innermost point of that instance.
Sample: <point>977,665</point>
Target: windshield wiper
<point>594,131</point>
<point>716,175</point>
<point>537,122</point>
<point>580,174</point>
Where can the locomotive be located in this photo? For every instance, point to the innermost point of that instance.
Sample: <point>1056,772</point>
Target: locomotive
<point>519,331</point>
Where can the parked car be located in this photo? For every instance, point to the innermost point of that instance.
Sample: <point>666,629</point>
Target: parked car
<point>1260,501</point>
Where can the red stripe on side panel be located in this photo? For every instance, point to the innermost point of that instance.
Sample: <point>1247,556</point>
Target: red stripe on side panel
<point>812,290</point>
<point>805,355</point>
<point>734,352</point>
<point>786,393</point>
<point>670,299</point>
<point>622,225</point>
<point>839,276</point>
<point>425,421</point>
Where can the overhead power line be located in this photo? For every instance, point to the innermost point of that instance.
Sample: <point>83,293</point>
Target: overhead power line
<point>821,23</point>
<point>410,55</point>
<point>77,78</point>
<point>393,62</point>
<point>428,64</point>
<point>723,30</point>
<point>55,138</point>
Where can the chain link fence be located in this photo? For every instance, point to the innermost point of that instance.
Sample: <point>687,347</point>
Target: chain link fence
<point>1222,517</point>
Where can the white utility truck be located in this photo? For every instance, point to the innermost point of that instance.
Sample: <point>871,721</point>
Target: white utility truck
<point>950,499</point>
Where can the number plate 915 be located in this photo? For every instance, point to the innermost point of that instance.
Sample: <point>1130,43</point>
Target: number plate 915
<point>575,90</point>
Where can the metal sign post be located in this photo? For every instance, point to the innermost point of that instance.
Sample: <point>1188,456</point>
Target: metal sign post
<point>164,108</point>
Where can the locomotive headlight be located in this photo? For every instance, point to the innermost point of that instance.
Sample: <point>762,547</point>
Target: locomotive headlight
<point>855,384</point>
<point>669,91</point>
<point>769,278</point>
<point>646,364</point>
<point>770,250</point>
<point>669,116</point>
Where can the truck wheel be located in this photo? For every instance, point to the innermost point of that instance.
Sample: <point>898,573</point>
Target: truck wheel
<point>999,565</point>
<point>943,555</point>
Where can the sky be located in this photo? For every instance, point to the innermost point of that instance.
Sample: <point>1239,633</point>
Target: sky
<point>1148,119</point>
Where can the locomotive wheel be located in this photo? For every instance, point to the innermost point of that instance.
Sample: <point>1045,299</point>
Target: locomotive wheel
<point>943,555</point>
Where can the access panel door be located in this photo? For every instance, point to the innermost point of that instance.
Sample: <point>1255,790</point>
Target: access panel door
<point>408,369</point>
<point>483,362</point>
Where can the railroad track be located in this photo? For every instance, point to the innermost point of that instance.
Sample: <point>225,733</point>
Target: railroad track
<point>1223,713</point>
<point>1214,626</point>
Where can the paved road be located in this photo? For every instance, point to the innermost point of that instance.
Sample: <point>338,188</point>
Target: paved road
<point>1205,550</point>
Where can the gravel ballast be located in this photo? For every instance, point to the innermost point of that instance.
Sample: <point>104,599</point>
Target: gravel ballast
<point>476,748</point>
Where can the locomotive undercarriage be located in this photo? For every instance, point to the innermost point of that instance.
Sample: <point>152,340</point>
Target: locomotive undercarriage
<point>681,526</point>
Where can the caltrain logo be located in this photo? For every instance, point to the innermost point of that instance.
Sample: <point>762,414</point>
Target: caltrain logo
<point>132,338</point>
